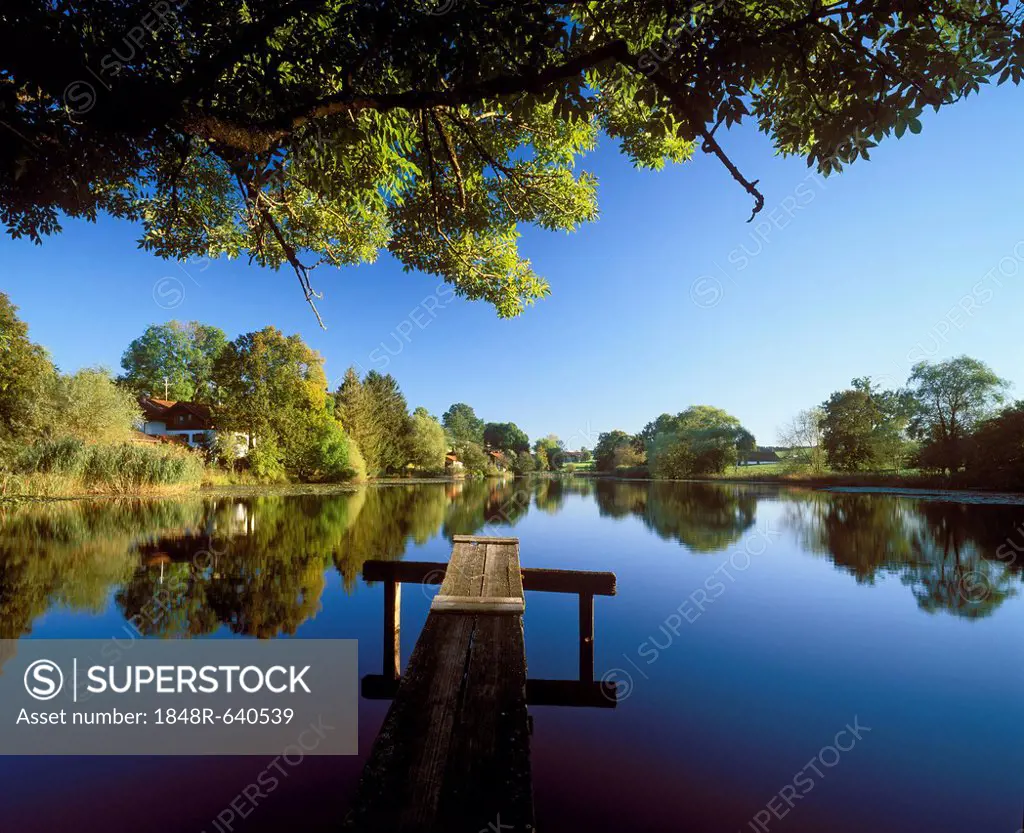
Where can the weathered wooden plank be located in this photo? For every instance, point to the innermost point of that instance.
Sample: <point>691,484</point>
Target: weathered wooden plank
<point>477,604</point>
<point>586,636</point>
<point>534,579</point>
<point>453,754</point>
<point>569,581</point>
<point>465,573</point>
<point>489,784</point>
<point>487,539</point>
<point>499,561</point>
<point>406,572</point>
<point>482,577</point>
<point>400,785</point>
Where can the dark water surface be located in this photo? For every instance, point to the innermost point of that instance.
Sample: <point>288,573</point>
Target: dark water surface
<point>787,660</point>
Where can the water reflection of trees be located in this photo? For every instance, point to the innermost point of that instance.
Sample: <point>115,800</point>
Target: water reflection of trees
<point>69,553</point>
<point>258,565</point>
<point>957,557</point>
<point>706,517</point>
<point>264,576</point>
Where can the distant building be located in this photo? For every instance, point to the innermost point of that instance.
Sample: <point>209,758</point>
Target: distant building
<point>498,460</point>
<point>452,464</point>
<point>190,423</point>
<point>153,414</point>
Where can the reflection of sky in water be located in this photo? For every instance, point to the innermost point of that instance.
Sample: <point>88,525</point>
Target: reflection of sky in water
<point>828,607</point>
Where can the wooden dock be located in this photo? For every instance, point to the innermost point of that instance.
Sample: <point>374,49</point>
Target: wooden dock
<point>453,754</point>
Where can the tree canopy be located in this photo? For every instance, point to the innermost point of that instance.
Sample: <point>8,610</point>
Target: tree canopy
<point>699,440</point>
<point>954,396</point>
<point>506,436</point>
<point>427,443</point>
<point>27,377</point>
<point>463,425</point>
<point>273,389</point>
<point>323,131</point>
<point>173,361</point>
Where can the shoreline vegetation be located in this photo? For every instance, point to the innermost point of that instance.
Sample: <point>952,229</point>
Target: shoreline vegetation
<point>46,488</point>
<point>258,412</point>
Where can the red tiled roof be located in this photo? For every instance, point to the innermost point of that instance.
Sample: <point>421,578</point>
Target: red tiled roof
<point>197,415</point>
<point>153,408</point>
<point>196,409</point>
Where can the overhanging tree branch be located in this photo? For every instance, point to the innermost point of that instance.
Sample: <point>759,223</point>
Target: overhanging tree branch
<point>261,136</point>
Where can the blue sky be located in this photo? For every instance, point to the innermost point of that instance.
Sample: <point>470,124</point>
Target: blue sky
<point>669,299</point>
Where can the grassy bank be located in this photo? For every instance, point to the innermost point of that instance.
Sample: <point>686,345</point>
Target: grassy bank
<point>69,468</point>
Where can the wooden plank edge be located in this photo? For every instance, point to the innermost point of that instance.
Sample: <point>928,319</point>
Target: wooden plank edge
<point>477,604</point>
<point>407,572</point>
<point>569,581</point>
<point>482,539</point>
<point>534,579</point>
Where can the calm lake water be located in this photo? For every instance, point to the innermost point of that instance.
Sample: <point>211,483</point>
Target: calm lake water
<point>752,626</point>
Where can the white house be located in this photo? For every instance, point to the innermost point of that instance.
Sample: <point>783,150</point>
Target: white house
<point>187,422</point>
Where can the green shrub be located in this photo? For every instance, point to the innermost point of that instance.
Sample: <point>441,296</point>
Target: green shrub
<point>320,452</point>
<point>265,461</point>
<point>67,456</point>
<point>128,466</point>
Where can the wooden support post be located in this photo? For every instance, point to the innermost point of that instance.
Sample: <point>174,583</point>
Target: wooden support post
<point>586,637</point>
<point>392,630</point>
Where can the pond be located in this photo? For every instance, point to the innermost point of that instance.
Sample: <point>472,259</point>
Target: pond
<point>786,660</point>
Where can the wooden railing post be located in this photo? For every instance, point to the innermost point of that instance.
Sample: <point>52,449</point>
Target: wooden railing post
<point>586,637</point>
<point>392,629</point>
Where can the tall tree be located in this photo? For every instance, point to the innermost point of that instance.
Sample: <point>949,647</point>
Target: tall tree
<point>173,361</point>
<point>953,396</point>
<point>607,450</point>
<point>427,443</point>
<point>340,128</point>
<point>273,388</point>
<point>355,408</point>
<point>897,410</point>
<point>463,425</point>
<point>662,425</point>
<point>699,440</point>
<point>391,414</point>
<point>848,426</point>
<point>27,377</point>
<point>996,455</point>
<point>802,435</point>
<point>505,436</point>
<point>549,450</point>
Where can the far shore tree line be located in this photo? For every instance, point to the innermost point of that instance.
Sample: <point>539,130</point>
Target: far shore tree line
<point>950,419</point>
<point>701,440</point>
<point>269,400</point>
